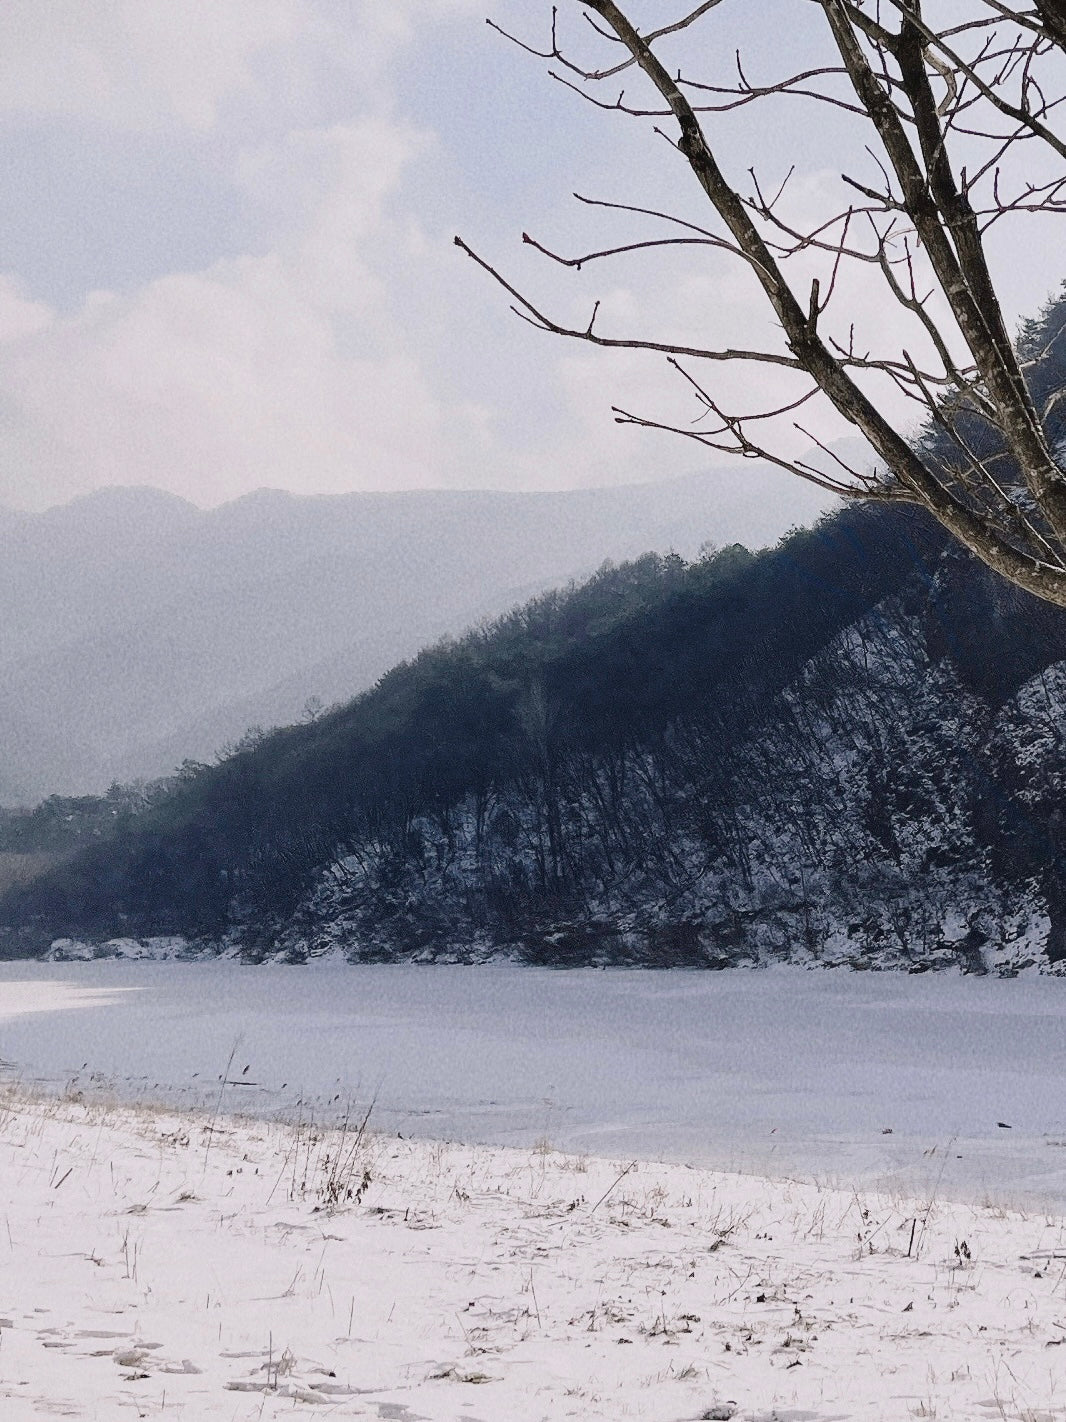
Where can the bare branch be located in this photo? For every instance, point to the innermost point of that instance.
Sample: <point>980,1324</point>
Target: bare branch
<point>991,92</point>
<point>597,74</point>
<point>546,323</point>
<point>578,262</point>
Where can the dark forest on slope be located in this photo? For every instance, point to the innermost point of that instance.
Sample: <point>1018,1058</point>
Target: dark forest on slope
<point>848,748</point>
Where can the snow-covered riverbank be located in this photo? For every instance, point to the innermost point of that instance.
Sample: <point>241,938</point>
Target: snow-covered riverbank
<point>194,1268</point>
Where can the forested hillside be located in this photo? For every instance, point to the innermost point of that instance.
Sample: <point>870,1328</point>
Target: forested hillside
<point>849,747</point>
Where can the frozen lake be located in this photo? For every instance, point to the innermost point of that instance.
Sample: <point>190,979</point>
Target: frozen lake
<point>900,1080</point>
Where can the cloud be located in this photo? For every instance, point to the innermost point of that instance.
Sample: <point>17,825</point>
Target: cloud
<point>292,363</point>
<point>135,63</point>
<point>19,316</point>
<point>340,342</point>
<point>281,368</point>
<point>139,64</point>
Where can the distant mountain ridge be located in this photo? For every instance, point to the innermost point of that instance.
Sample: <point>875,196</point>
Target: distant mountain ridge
<point>139,630</point>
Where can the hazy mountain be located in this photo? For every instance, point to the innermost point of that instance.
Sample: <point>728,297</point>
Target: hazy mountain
<point>138,630</point>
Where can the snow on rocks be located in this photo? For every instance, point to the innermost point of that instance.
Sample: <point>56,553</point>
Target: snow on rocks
<point>196,1268</point>
<point>162,950</point>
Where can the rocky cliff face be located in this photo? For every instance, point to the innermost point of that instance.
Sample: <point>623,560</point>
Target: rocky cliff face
<point>880,813</point>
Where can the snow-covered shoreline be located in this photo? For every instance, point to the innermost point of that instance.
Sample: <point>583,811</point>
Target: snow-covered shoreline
<point>205,1267</point>
<point>1022,950</point>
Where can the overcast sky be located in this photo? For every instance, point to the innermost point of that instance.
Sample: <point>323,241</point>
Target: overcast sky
<point>226,252</point>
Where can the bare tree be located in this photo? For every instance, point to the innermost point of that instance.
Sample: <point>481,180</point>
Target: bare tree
<point>960,132</point>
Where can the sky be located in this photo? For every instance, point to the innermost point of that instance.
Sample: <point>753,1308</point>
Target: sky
<point>226,256</point>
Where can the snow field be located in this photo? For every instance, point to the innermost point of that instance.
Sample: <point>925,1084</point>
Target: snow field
<point>176,1265</point>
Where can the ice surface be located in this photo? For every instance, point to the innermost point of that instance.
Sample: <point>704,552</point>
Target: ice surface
<point>782,1071</point>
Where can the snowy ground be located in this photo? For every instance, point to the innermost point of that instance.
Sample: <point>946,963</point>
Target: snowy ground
<point>199,1268</point>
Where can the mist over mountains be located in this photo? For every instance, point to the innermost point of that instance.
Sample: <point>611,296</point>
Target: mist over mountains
<point>140,630</point>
